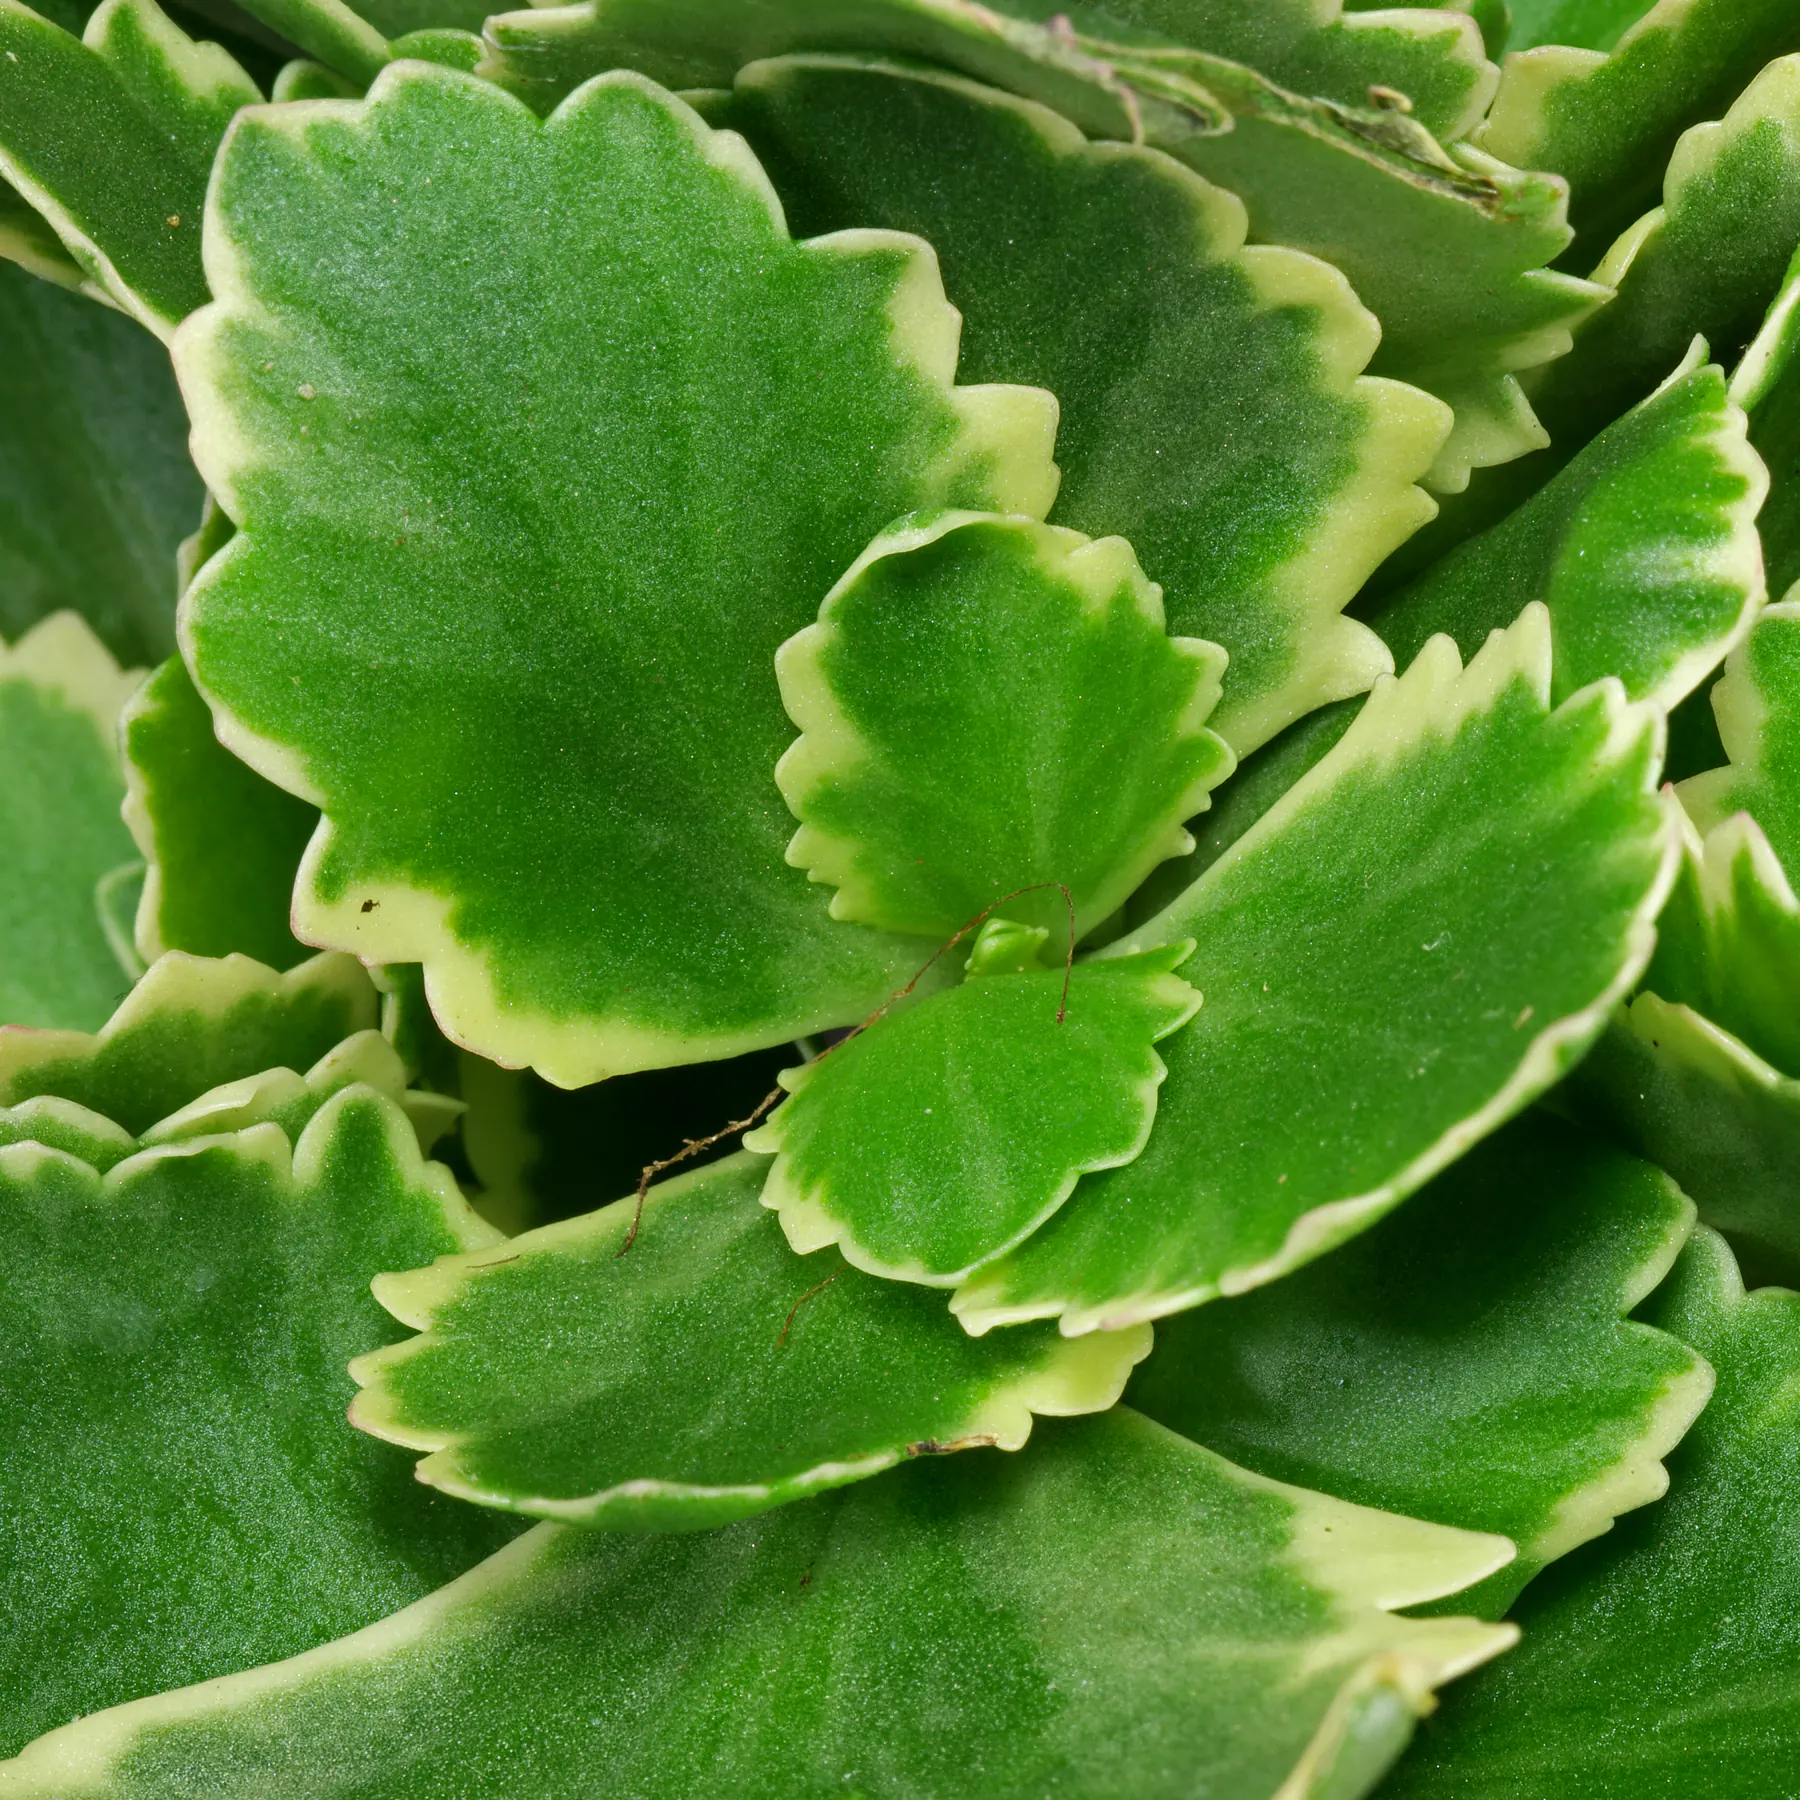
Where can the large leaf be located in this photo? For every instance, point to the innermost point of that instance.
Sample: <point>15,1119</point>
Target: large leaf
<point>1644,549</point>
<point>1606,120</point>
<point>96,488</point>
<point>188,1026</point>
<point>1664,1658</point>
<point>183,1497</point>
<point>1467,1360</point>
<point>1423,934</point>
<point>1118,1614</point>
<point>1213,408</point>
<point>399,635</point>
<point>60,832</point>
<point>222,844</point>
<point>697,1371</point>
<point>111,137</point>
<point>944,1135</point>
<point>1372,193</point>
<point>989,705</point>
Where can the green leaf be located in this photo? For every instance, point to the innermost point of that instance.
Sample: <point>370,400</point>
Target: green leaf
<point>1370,192</point>
<point>1767,386</point>
<point>60,695</point>
<point>702,1374</point>
<point>188,1026</point>
<point>1757,704</point>
<point>1466,1360</point>
<point>391,638</point>
<point>329,31</point>
<point>1606,122</point>
<point>989,705</point>
<point>95,483</point>
<point>944,1135</point>
<point>183,1496</point>
<point>62,1125</point>
<point>222,844</point>
<point>1644,549</point>
<point>1588,24</point>
<point>111,137</point>
<point>1213,409</point>
<point>1661,1659</point>
<point>1117,1613</point>
<point>1425,933</point>
<point>26,239</point>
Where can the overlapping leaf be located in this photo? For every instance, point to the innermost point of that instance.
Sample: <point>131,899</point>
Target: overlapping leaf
<point>60,833</point>
<point>1424,933</point>
<point>1466,1360</point>
<point>1767,386</point>
<point>544,750</point>
<point>1213,409</point>
<point>1681,1625</point>
<point>1118,1611</point>
<point>944,1135</point>
<point>702,1374</point>
<point>183,1496</point>
<point>1644,549</point>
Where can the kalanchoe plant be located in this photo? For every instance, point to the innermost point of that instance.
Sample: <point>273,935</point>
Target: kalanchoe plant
<point>959,841</point>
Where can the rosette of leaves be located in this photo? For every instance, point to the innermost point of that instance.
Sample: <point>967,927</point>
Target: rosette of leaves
<point>970,707</point>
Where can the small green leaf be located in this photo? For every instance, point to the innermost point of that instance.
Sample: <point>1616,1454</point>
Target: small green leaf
<point>698,1371</point>
<point>330,31</point>
<point>60,695</point>
<point>1117,1613</point>
<point>95,483</point>
<point>111,137</point>
<point>1661,1659</point>
<point>989,705</point>
<point>1767,386</point>
<point>62,1125</point>
<point>188,1026</point>
<point>1644,549</point>
<point>182,1494</point>
<point>1466,1360</point>
<point>1607,122</point>
<point>222,844</point>
<point>1213,406</point>
<point>945,1134</point>
<point>1424,934</point>
<point>592,887</point>
<point>1587,24</point>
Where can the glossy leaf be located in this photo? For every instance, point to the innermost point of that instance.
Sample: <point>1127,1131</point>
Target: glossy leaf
<point>1586,24</point>
<point>1423,934</point>
<point>172,1371</point>
<point>188,1026</point>
<point>431,679</point>
<point>1370,192</point>
<point>987,705</point>
<point>223,845</point>
<point>1117,1613</point>
<point>1606,120</point>
<point>1213,409</point>
<point>703,1374</point>
<point>111,137</point>
<point>60,695</point>
<point>948,1133</point>
<point>95,484</point>
<point>1681,1627</point>
<point>1644,549</point>
<point>1467,1360</point>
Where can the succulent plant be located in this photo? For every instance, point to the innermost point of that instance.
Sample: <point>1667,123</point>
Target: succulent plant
<point>897,899</point>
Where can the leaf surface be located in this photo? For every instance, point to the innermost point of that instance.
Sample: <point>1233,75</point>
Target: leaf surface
<point>1467,1360</point>
<point>1681,1624</point>
<point>532,634</point>
<point>1119,1613</point>
<point>1767,386</point>
<point>1422,935</point>
<point>111,137</point>
<point>182,1496</point>
<point>989,705</point>
<point>703,1374</point>
<point>60,695</point>
<point>223,845</point>
<point>944,1135</point>
<point>1213,408</point>
<point>1644,549</point>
